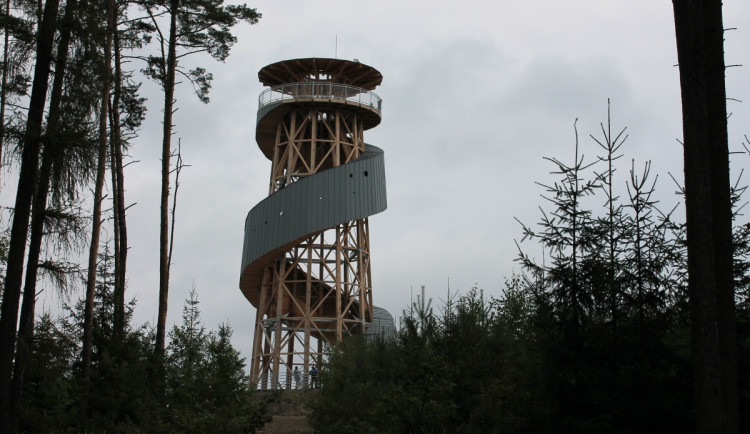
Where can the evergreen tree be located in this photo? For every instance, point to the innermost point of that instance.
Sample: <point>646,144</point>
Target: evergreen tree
<point>55,162</point>
<point>108,23</point>
<point>54,144</point>
<point>570,238</point>
<point>121,398</point>
<point>185,368</point>
<point>21,216</point>
<point>195,26</point>
<point>127,112</point>
<point>538,359</point>
<point>229,394</point>
<point>18,47</point>
<point>626,275</point>
<point>206,386</point>
<point>49,389</point>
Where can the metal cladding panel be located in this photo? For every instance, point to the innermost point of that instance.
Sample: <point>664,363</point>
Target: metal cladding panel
<point>345,193</point>
<point>382,325</point>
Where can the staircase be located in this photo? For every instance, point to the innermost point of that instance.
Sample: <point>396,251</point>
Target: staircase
<point>289,413</point>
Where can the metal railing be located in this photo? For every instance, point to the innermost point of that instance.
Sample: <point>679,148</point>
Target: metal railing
<point>319,89</point>
<point>288,381</point>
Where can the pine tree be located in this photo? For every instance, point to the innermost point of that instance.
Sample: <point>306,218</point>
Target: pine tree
<point>96,218</point>
<point>195,26</point>
<point>26,187</point>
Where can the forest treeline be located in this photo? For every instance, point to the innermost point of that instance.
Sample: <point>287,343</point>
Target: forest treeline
<point>630,322</point>
<point>200,386</point>
<point>71,108</point>
<point>633,321</point>
<point>593,336</point>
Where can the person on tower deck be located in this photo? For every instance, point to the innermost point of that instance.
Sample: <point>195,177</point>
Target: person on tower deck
<point>313,377</point>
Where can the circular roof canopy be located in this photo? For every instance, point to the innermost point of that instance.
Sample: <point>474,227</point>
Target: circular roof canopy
<point>321,69</point>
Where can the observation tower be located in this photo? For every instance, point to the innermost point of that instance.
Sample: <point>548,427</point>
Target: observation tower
<point>306,254</point>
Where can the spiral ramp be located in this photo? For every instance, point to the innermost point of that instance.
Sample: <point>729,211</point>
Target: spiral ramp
<point>315,203</point>
<point>306,258</point>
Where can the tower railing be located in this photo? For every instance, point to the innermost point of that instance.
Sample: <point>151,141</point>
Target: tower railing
<point>319,90</point>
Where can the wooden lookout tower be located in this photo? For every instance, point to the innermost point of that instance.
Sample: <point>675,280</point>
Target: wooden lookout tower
<point>306,255</point>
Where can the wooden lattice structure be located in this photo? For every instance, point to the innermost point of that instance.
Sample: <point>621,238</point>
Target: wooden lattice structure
<point>306,264</point>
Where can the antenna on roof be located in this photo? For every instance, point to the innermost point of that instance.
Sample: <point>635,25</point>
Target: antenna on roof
<point>336,49</point>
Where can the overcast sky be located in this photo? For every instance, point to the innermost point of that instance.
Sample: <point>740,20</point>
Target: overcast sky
<point>475,94</point>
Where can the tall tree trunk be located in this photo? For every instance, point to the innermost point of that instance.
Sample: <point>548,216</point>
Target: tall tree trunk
<point>50,149</point>
<point>118,177</point>
<point>699,34</point>
<point>24,194</point>
<point>169,82</point>
<point>118,308</point>
<point>722,214</point>
<point>88,316</point>
<point>26,324</point>
<point>4,86</point>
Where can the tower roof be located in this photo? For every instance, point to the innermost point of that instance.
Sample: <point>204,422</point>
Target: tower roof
<point>321,69</point>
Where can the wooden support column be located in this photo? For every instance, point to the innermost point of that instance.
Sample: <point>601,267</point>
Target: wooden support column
<point>290,361</point>
<point>266,368</point>
<point>291,148</point>
<point>259,328</point>
<point>314,119</point>
<point>337,140</point>
<point>279,312</point>
<point>356,142</point>
<point>369,268</point>
<point>308,313</point>
<point>361,276</point>
<point>276,157</point>
<point>338,286</point>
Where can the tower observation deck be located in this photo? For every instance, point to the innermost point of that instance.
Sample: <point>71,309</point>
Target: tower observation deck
<point>306,254</point>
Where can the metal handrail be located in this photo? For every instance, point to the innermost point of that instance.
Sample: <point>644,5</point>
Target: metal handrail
<point>320,89</point>
<point>288,381</point>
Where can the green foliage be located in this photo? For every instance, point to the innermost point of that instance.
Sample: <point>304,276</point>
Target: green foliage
<point>49,388</point>
<point>441,373</point>
<point>127,387</point>
<point>606,362</point>
<point>497,366</point>
<point>206,386</point>
<point>185,365</point>
<point>570,239</point>
<point>595,338</point>
<point>202,26</point>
